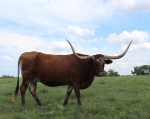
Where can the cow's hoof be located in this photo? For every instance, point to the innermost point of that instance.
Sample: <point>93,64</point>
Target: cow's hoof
<point>65,103</point>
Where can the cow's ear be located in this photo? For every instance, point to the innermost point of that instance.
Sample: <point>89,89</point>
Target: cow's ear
<point>108,61</point>
<point>89,61</point>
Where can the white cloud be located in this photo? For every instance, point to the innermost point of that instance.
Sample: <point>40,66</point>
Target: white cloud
<point>52,13</point>
<point>125,37</point>
<point>63,53</point>
<point>140,6</point>
<point>128,5</point>
<point>95,48</point>
<point>94,40</point>
<point>76,30</point>
<point>139,39</point>
<point>16,44</point>
<point>13,41</point>
<point>140,47</point>
<point>8,68</point>
<point>115,5</point>
<point>8,58</point>
<point>54,16</point>
<point>60,47</point>
<point>141,63</point>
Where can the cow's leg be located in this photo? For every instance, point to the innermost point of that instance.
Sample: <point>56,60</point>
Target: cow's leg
<point>69,90</point>
<point>23,88</point>
<point>77,92</point>
<point>32,89</point>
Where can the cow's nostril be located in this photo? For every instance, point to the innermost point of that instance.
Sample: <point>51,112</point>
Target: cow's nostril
<point>101,73</point>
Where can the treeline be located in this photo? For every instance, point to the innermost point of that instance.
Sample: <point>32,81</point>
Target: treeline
<point>7,76</point>
<point>138,70</point>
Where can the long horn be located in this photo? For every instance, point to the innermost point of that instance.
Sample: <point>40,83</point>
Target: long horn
<point>80,57</point>
<point>119,56</point>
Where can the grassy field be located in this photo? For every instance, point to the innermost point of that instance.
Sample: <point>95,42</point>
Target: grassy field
<point>106,98</point>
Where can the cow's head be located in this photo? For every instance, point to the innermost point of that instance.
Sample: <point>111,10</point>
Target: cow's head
<point>98,61</point>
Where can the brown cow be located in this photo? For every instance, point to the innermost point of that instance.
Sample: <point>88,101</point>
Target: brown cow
<point>75,70</point>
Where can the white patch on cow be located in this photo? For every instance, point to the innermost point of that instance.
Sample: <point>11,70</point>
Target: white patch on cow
<point>20,67</point>
<point>70,88</point>
<point>36,80</point>
<point>101,60</point>
<point>32,87</point>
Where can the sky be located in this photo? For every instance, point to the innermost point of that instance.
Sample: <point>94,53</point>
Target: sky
<point>92,26</point>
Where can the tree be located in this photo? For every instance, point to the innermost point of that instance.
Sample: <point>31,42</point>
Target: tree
<point>105,73</point>
<point>141,70</point>
<point>111,73</point>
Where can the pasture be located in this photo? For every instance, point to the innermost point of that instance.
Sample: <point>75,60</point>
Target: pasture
<point>107,98</point>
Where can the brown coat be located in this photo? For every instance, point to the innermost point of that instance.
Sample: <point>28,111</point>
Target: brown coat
<point>57,70</point>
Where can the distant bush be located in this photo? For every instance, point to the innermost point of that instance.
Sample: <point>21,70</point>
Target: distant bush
<point>141,70</point>
<point>7,76</point>
<point>110,73</point>
<point>125,75</point>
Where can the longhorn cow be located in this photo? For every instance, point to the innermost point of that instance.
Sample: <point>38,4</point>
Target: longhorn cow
<point>75,70</point>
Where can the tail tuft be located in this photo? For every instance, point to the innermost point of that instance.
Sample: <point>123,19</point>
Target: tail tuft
<point>14,97</point>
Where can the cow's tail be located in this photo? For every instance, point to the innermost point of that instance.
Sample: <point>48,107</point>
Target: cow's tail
<point>17,86</point>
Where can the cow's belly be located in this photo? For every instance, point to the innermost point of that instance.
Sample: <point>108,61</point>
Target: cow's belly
<point>86,83</point>
<point>54,82</point>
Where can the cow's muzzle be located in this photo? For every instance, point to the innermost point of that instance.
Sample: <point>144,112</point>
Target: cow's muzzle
<point>100,74</point>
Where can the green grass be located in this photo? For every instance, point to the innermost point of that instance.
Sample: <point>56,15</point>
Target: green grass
<point>106,98</point>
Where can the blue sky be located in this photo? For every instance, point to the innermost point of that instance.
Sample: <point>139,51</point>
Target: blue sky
<point>92,26</point>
